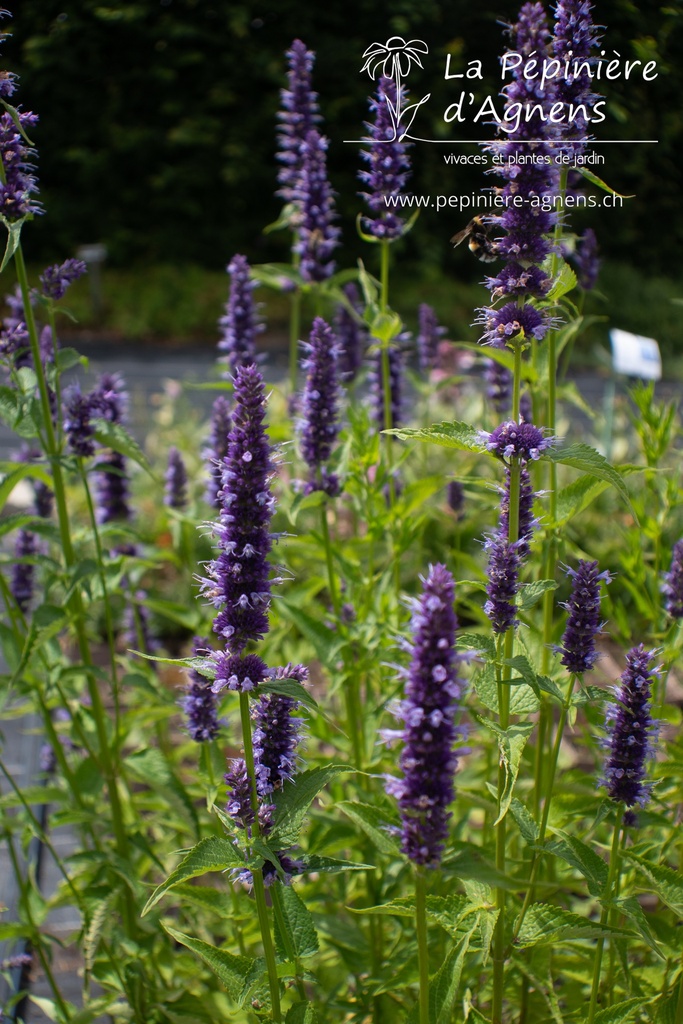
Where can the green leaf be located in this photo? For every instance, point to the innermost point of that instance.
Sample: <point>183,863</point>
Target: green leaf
<point>631,908</point>
<point>524,820</point>
<point>576,497</point>
<point>585,458</point>
<point>619,1012</point>
<point>116,437</point>
<point>385,326</point>
<point>374,825</point>
<point>289,688</point>
<point>443,987</point>
<point>323,640</point>
<point>564,283</point>
<point>529,593</point>
<point>330,865</point>
<point>292,802</point>
<point>69,357</point>
<point>231,970</point>
<point>511,743</point>
<point>210,854</point>
<point>300,928</point>
<point>450,435</point>
<point>302,502</point>
<point>665,882</point>
<point>10,481</point>
<point>477,642</point>
<point>581,857</point>
<point>301,1013</point>
<point>545,924</point>
<point>13,240</point>
<point>599,182</point>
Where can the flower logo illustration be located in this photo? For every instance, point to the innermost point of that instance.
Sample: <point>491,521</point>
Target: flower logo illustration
<point>394,60</point>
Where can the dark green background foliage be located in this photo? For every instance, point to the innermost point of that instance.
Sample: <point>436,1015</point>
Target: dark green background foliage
<point>157,119</point>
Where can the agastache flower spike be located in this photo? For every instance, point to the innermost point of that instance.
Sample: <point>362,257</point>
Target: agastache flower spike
<point>199,703</point>
<point>428,761</point>
<point>239,324</point>
<point>428,337</point>
<point>299,114</point>
<point>57,278</point>
<point>277,734</point>
<point>576,38</point>
<point>79,409</point>
<point>583,619</point>
<point>521,441</point>
<point>317,236</point>
<point>23,573</point>
<point>632,734</point>
<point>238,579</point>
<point>389,166</point>
<point>217,449</point>
<point>111,402</point>
<point>19,183</point>
<point>587,261</point>
<point>673,583</point>
<point>175,494</point>
<point>319,424</point>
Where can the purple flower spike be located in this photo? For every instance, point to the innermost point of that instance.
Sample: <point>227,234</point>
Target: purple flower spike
<point>389,166</point>
<point>110,398</point>
<point>199,703</point>
<point>239,794</point>
<point>175,495</point>
<point>513,323</point>
<point>498,385</point>
<point>351,335</point>
<point>503,582</point>
<point>455,496</point>
<point>23,573</point>
<point>112,489</point>
<point>319,424</point>
<point>238,579</point>
<point>632,733</point>
<point>527,521</point>
<point>79,430</point>
<point>576,38</point>
<point>242,675</point>
<point>673,585</point>
<point>240,324</point>
<point>277,734</point>
<point>521,441</point>
<point>583,619</point>
<point>428,337</point>
<point>217,449</point>
<point>19,183</point>
<point>57,278</point>
<point>433,690</point>
<point>317,236</point>
<point>587,261</point>
<point>299,114</point>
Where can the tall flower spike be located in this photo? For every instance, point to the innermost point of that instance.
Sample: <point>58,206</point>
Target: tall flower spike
<point>79,409</point>
<point>577,40</point>
<point>298,115</point>
<point>351,335</point>
<point>199,703</point>
<point>389,166</point>
<point>583,619</point>
<point>240,324</point>
<point>175,494</point>
<point>632,733</point>
<point>319,423</point>
<point>276,734</point>
<point>238,581</point>
<point>428,337</point>
<point>428,761</point>
<point>217,449</point>
<point>23,573</point>
<point>18,185</point>
<point>110,400</point>
<point>587,261</point>
<point>317,235</point>
<point>673,583</point>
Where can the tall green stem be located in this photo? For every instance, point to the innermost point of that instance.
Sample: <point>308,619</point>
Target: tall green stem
<point>257,873</point>
<point>422,945</point>
<point>614,864</point>
<point>294,329</point>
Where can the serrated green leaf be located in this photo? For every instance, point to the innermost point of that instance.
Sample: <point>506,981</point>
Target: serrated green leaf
<point>477,642</point>
<point>666,883</point>
<point>587,459</point>
<point>330,865</point>
<point>231,970</point>
<point>449,435</point>
<point>300,928</point>
<point>632,909</point>
<point>524,820</point>
<point>564,283</point>
<point>152,767</point>
<point>545,923</point>
<point>116,437</point>
<point>529,593</point>
<point>69,357</point>
<point>289,688</point>
<point>443,987</point>
<point>581,857</point>
<point>620,1012</point>
<point>576,497</point>
<point>511,743</point>
<point>301,1013</point>
<point>599,182</point>
<point>374,825</point>
<point>210,854</point>
<point>292,802</point>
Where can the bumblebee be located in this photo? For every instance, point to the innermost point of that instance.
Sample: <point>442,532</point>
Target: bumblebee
<point>479,242</point>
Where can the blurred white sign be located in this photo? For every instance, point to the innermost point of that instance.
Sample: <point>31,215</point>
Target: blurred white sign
<point>635,356</point>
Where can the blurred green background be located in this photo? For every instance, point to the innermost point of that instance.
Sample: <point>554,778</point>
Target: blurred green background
<point>157,138</point>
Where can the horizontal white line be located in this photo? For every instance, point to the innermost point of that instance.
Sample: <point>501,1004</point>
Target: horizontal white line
<point>488,142</point>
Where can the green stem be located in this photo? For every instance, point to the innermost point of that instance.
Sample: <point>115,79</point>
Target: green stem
<point>290,952</point>
<point>614,865</point>
<point>332,583</point>
<point>422,945</point>
<point>257,873</point>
